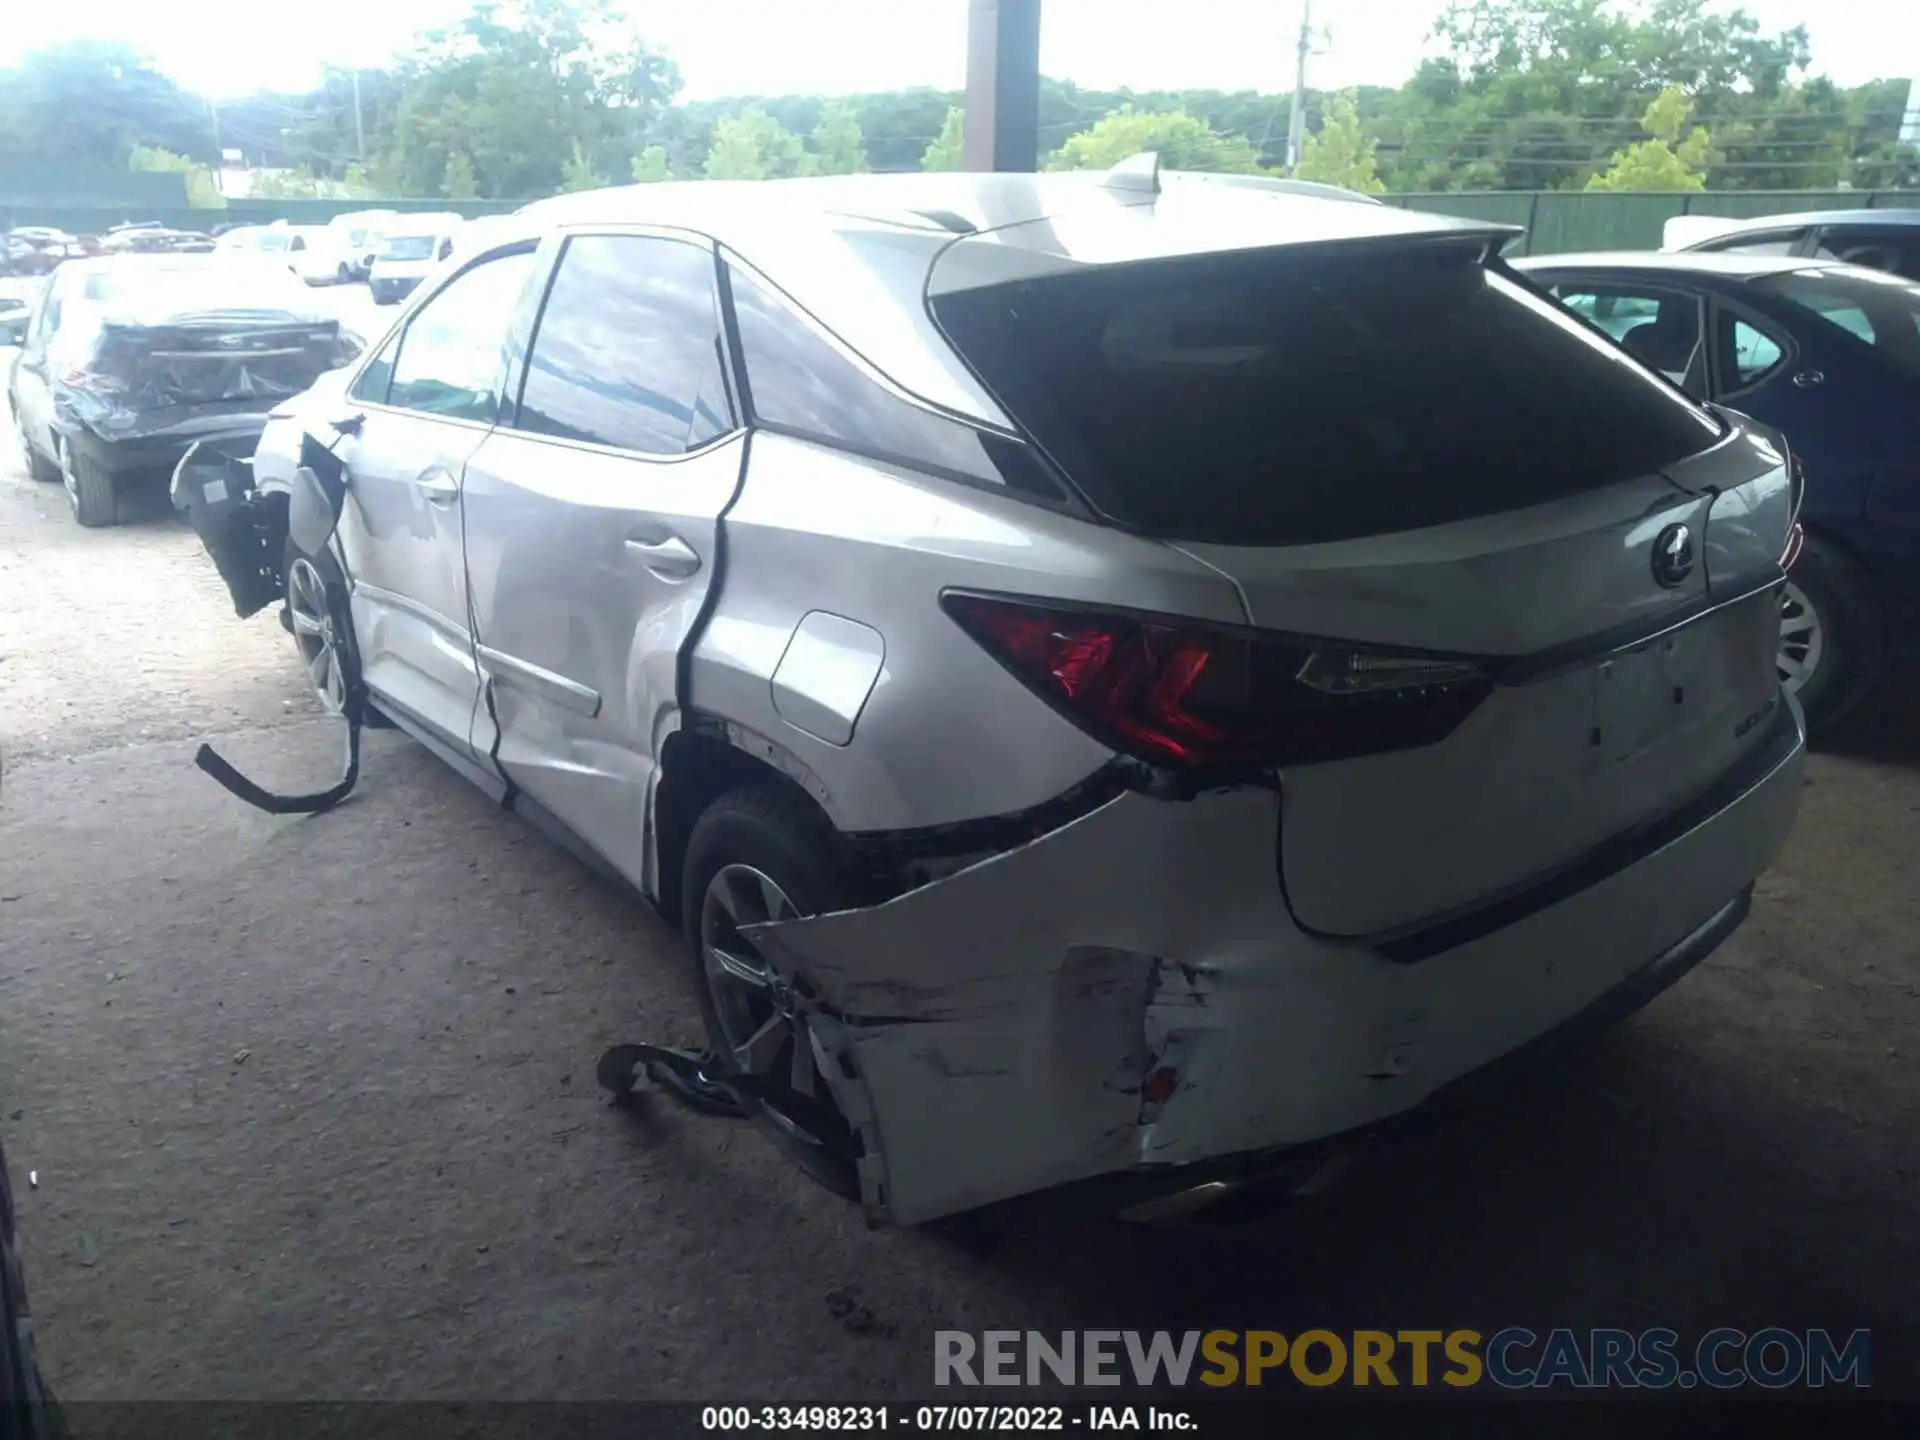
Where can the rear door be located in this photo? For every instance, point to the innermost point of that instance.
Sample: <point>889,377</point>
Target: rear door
<point>423,404</point>
<point>1403,449</point>
<point>592,521</point>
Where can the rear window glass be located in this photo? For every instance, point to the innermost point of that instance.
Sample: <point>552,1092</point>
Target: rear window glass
<point>1880,310</point>
<point>1270,398</point>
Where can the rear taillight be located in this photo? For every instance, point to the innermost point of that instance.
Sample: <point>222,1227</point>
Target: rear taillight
<point>1170,692</point>
<point>1796,493</point>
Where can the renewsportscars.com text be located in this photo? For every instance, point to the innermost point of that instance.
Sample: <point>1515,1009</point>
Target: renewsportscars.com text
<point>1514,1358</point>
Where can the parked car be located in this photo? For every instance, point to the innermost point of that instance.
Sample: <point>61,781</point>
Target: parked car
<point>1135,677</point>
<point>28,1410</point>
<point>130,359</point>
<point>358,236</point>
<point>17,299</point>
<point>1830,355</point>
<point>35,250</point>
<point>309,251</point>
<point>417,246</point>
<point>1880,239</point>
<point>240,239</point>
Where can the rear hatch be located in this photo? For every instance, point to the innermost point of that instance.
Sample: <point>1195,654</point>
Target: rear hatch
<point>1416,469</point>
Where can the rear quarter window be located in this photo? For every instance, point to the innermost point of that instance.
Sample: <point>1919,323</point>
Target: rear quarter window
<point>1281,397</point>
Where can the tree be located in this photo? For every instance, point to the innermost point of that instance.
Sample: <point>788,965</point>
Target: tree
<point>578,173</point>
<point>947,150</point>
<point>1183,142</point>
<point>837,146</point>
<point>650,166</point>
<point>203,189</point>
<point>457,179</point>
<point>1338,153</point>
<point>1665,162</point>
<point>88,103</point>
<point>754,146</point>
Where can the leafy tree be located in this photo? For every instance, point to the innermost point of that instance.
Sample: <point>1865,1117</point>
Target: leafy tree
<point>1665,162</point>
<point>290,184</point>
<point>203,189</point>
<point>1338,153</point>
<point>650,166</point>
<point>457,180</point>
<point>578,173</point>
<point>947,150</point>
<point>754,146</point>
<point>1183,142</point>
<point>90,102</point>
<point>837,147</point>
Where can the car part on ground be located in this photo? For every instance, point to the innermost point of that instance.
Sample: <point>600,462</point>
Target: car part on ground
<point>908,583</point>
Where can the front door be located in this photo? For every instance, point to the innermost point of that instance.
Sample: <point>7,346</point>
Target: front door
<point>423,406</point>
<point>591,523</point>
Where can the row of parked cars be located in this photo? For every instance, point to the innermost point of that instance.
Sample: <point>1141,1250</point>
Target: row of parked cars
<point>1119,677</point>
<point>391,251</point>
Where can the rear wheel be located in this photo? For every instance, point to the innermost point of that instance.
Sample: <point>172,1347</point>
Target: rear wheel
<point>760,854</point>
<point>1830,643</point>
<point>90,488</point>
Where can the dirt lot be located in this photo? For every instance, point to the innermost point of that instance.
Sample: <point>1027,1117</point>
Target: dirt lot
<point>311,1107</point>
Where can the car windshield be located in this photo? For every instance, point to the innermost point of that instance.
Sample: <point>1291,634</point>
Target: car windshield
<point>275,240</point>
<point>1878,309</point>
<point>1277,397</point>
<point>407,247</point>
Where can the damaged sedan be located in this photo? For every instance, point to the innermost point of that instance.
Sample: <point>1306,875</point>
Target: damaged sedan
<point>131,360</point>
<point>1128,678</point>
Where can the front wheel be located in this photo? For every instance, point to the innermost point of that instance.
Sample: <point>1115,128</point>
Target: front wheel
<point>761,854</point>
<point>322,625</point>
<point>38,466</point>
<point>1830,641</point>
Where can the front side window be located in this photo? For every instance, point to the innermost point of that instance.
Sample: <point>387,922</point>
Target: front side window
<point>374,381</point>
<point>453,353</point>
<point>628,349</point>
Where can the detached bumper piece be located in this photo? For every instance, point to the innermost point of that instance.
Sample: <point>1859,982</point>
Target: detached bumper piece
<point>246,534</point>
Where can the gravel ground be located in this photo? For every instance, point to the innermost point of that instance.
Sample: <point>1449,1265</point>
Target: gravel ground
<point>312,1111</point>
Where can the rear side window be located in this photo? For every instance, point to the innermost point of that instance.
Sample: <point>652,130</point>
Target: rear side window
<point>801,383</point>
<point>1279,398</point>
<point>628,349</point>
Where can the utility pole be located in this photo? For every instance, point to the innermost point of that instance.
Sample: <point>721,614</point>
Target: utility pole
<point>1297,121</point>
<point>359,132</point>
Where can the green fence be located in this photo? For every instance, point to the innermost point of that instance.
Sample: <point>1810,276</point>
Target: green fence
<point>1556,221</point>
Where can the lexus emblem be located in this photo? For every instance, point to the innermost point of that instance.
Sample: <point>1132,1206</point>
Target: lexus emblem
<point>1673,556</point>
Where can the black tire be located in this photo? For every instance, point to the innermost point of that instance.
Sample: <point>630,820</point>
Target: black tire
<point>39,467</point>
<point>342,276</point>
<point>27,1409</point>
<point>1840,593</point>
<point>787,840</point>
<point>90,490</point>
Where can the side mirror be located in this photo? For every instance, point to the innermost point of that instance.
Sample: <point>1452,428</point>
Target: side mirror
<point>13,332</point>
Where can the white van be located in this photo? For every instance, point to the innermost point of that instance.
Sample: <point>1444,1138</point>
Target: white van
<point>358,236</point>
<point>416,246</point>
<point>309,250</point>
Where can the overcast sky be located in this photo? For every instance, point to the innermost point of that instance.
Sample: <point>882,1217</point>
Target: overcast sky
<point>730,47</point>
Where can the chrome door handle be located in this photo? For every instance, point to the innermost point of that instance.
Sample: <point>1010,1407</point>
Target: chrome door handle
<point>670,559</point>
<point>439,487</point>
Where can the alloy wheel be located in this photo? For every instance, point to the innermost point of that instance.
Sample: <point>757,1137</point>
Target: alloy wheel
<point>752,1002</point>
<point>1802,639</point>
<point>314,633</point>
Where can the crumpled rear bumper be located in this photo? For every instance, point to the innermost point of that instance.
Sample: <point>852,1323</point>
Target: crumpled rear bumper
<point>1130,992</point>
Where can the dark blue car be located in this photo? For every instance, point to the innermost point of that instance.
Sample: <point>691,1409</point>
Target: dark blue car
<point>1829,355</point>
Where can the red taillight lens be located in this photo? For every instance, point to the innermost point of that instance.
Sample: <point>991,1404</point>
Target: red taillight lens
<point>1174,693</point>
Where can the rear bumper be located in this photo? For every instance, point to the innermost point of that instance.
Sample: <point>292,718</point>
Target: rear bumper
<point>1129,995</point>
<point>158,455</point>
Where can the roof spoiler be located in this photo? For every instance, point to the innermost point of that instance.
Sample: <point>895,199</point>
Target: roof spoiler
<point>1140,174</point>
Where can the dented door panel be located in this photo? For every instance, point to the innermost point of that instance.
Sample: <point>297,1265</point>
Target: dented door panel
<point>1008,1025</point>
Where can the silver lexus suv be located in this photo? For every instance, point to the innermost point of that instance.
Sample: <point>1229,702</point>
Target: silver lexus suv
<point>1116,675</point>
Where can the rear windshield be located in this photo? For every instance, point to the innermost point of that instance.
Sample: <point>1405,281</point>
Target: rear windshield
<point>1279,398</point>
<point>1878,309</point>
<point>407,247</point>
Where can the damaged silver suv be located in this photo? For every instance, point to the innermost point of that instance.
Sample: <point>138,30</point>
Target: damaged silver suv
<point>1117,676</point>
